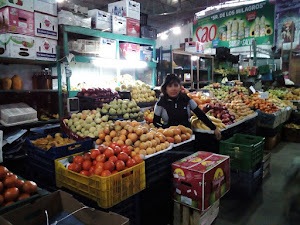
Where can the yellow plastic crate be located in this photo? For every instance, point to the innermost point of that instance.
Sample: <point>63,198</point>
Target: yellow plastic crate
<point>106,191</point>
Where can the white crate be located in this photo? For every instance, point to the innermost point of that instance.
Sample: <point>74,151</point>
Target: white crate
<point>16,114</point>
<point>100,20</point>
<point>125,8</point>
<point>46,6</point>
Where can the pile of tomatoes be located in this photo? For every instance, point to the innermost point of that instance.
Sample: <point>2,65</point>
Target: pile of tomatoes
<point>13,189</point>
<point>105,161</point>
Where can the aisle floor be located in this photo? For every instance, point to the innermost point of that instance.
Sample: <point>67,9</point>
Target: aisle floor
<point>266,208</point>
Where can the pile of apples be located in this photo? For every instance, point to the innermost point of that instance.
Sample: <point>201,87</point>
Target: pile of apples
<point>148,116</point>
<point>101,95</point>
<point>104,161</point>
<point>219,111</point>
<point>143,139</point>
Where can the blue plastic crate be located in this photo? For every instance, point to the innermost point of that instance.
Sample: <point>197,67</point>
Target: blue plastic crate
<point>58,152</point>
<point>246,183</point>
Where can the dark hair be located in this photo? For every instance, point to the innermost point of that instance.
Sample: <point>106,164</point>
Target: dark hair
<point>169,79</point>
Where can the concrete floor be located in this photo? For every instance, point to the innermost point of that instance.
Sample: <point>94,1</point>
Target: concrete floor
<point>266,208</point>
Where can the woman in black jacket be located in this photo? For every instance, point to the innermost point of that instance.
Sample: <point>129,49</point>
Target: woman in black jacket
<point>175,107</point>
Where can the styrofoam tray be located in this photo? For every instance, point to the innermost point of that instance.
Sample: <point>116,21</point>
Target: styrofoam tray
<point>184,142</point>
<point>157,153</point>
<point>227,127</point>
<point>18,123</point>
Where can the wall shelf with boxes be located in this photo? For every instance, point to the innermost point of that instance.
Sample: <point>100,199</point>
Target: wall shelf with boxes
<point>194,69</point>
<point>109,42</point>
<point>28,46</point>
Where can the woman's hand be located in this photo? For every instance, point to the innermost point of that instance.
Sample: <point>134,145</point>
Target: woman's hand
<point>218,134</point>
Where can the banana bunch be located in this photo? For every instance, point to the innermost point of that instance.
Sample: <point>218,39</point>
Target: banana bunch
<point>198,124</point>
<point>293,126</point>
<point>44,117</point>
<point>278,102</point>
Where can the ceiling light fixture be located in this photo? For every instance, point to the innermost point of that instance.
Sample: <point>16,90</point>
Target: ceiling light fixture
<point>164,36</point>
<point>59,1</point>
<point>176,30</point>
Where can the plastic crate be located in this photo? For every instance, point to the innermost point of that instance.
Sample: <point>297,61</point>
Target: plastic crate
<point>246,183</point>
<point>245,151</point>
<point>56,152</point>
<point>106,191</point>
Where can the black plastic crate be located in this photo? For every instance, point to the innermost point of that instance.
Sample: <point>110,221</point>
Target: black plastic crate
<point>246,183</point>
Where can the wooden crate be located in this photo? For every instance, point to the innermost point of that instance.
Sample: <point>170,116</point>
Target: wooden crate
<point>185,215</point>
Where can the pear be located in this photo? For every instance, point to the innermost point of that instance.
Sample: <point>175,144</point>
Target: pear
<point>126,116</point>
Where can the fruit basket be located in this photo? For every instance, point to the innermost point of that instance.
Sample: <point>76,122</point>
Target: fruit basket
<point>106,191</point>
<point>245,151</point>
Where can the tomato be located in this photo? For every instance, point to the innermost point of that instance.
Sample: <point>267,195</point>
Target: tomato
<point>113,159</point>
<point>10,181</point>
<point>23,196</point>
<point>138,159</point>
<point>98,171</point>
<point>19,183</point>
<point>99,164</point>
<point>3,172</point>
<point>130,163</point>
<point>87,156</point>
<point>123,156</point>
<point>101,158</point>
<point>126,149</point>
<point>102,148</point>
<point>92,170</point>
<point>109,165</point>
<point>78,159</point>
<point>113,145</point>
<point>120,165</point>
<point>95,162</point>
<point>117,150</point>
<point>11,194</point>
<point>109,152</point>
<point>86,165</point>
<point>114,172</point>
<point>29,187</point>
<point>105,173</point>
<point>85,173</point>
<point>95,153</point>
<point>1,199</point>
<point>77,167</point>
<point>1,187</point>
<point>71,166</point>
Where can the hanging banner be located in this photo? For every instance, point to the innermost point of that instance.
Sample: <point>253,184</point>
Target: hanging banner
<point>237,27</point>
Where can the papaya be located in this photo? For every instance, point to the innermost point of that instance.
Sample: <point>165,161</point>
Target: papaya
<point>17,83</point>
<point>6,83</point>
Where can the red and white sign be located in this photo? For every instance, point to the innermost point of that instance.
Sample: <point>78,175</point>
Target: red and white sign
<point>206,34</point>
<point>133,27</point>
<point>130,51</point>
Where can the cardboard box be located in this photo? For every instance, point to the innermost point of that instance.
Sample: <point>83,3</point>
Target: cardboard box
<point>108,48</point>
<point>15,20</point>
<point>46,26</point>
<point>146,55</point>
<point>130,51</point>
<point>100,20</point>
<point>17,46</point>
<point>125,8</point>
<point>194,47</point>
<point>119,25</point>
<point>46,6</point>
<point>185,215</point>
<point>148,32</point>
<point>201,179</point>
<point>55,203</point>
<point>20,4</point>
<point>133,27</point>
<point>45,49</point>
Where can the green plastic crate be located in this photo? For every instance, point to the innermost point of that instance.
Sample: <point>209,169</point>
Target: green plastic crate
<point>245,151</point>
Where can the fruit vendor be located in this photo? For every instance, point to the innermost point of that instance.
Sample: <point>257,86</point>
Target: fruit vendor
<point>174,107</point>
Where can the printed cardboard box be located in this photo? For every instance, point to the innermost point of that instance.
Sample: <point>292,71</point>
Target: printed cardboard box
<point>100,20</point>
<point>133,27</point>
<point>194,47</point>
<point>201,179</point>
<point>125,8</point>
<point>17,46</point>
<point>119,25</point>
<point>46,6</point>
<point>130,51</point>
<point>20,4</point>
<point>108,48</point>
<point>45,49</point>
<point>13,20</point>
<point>46,26</point>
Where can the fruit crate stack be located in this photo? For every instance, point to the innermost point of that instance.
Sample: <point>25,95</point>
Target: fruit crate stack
<point>246,156</point>
<point>40,158</point>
